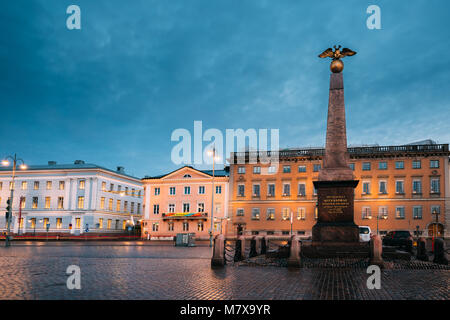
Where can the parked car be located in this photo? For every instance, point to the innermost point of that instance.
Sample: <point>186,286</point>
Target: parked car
<point>364,233</point>
<point>398,238</point>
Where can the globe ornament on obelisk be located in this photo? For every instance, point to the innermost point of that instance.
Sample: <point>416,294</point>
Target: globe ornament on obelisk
<point>336,183</point>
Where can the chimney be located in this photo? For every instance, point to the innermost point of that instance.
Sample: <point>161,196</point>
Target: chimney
<point>52,163</point>
<point>78,162</point>
<point>121,169</point>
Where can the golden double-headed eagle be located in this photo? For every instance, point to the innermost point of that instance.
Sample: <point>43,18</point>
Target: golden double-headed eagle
<point>337,53</point>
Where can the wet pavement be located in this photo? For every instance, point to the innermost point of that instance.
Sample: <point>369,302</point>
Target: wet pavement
<point>122,271</point>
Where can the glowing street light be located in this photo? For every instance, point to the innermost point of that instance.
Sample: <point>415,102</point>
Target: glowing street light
<point>212,153</point>
<point>6,162</point>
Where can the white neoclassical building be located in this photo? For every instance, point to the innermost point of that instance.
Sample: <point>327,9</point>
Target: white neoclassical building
<point>70,198</point>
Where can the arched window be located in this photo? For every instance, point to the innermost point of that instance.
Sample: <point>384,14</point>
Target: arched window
<point>187,176</point>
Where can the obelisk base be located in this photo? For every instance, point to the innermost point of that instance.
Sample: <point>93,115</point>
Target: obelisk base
<point>341,232</point>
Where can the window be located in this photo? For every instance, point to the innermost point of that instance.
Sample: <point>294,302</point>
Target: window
<point>382,187</point>
<point>155,226</point>
<point>435,209</point>
<point>22,202</point>
<point>256,189</point>
<point>110,204</point>
<point>187,176</point>
<point>271,190</point>
<point>171,207</point>
<point>417,186</point>
<point>286,169</point>
<point>301,168</point>
<point>416,164</point>
<point>1,185</point>
<point>138,208</point>
<point>240,212</point>
<point>117,224</point>
<point>47,202</point>
<point>201,207</point>
<point>417,212</point>
<point>302,189</point>
<point>111,187</point>
<point>382,165</point>
<point>201,190</point>
<point>352,166</point>
<point>46,222</point>
<point>270,214</point>
<point>316,213</point>
<point>33,222</point>
<point>157,191</point>
<point>131,207</point>
<point>200,226</point>
<point>383,212</point>
<point>366,166</point>
<point>256,170</point>
<point>366,187</point>
<point>185,226</point>
<point>172,191</point>
<point>61,185</point>
<point>133,192</point>
<point>60,202</point>
<point>187,190</point>
<point>434,163</point>
<point>34,203</point>
<point>434,184</point>
<point>81,184</point>
<point>399,187</point>
<point>58,223</point>
<point>78,223</point>
<point>285,213</point>
<point>316,167</point>
<point>12,185</point>
<point>241,190</point>
<point>255,214</point>
<point>81,202</point>
<point>301,214</point>
<point>400,212</point>
<point>36,185</point>
<point>103,186</point>
<point>125,205</point>
<point>286,189</point>
<point>170,226</point>
<point>314,191</point>
<point>119,187</point>
<point>241,170</point>
<point>399,165</point>
<point>366,213</point>
<point>24,185</point>
<point>118,206</point>
<point>186,207</point>
<point>102,203</point>
<point>272,169</point>
<point>218,189</point>
<point>124,224</point>
<point>49,185</point>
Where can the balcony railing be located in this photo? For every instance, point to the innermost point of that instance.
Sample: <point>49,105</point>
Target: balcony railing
<point>354,151</point>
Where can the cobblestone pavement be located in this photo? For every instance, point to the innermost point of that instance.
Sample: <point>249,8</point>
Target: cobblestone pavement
<point>166,272</point>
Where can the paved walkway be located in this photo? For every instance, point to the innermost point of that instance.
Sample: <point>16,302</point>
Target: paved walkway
<point>165,272</point>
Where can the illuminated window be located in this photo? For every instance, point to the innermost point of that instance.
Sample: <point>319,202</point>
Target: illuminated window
<point>78,223</point>
<point>125,206</point>
<point>110,204</point>
<point>34,204</point>
<point>12,185</point>
<point>24,185</point>
<point>255,213</point>
<point>46,222</point>
<point>100,223</point>
<point>22,202</point>
<point>103,186</point>
<point>285,213</point>
<point>383,212</point>
<point>400,212</point>
<point>102,203</point>
<point>81,184</point>
<point>47,202</point>
<point>118,205</point>
<point>366,213</point>
<point>61,185</point>
<point>124,224</point>
<point>108,224</point>
<point>36,185</point>
<point>58,223</point>
<point>301,213</point>
<point>49,185</point>
<point>270,214</point>
<point>81,202</point>
<point>132,207</point>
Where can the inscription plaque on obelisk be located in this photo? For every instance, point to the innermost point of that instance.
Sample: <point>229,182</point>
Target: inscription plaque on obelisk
<point>336,184</point>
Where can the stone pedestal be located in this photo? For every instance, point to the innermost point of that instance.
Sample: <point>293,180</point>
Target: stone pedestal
<point>335,200</point>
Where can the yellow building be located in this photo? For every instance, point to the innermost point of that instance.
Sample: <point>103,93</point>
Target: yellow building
<point>400,187</point>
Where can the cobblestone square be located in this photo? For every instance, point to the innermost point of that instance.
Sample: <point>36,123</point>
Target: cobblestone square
<point>132,271</point>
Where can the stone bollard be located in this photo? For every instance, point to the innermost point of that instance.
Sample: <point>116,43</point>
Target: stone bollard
<point>218,258</point>
<point>258,245</point>
<point>243,245</point>
<point>263,245</point>
<point>294,253</point>
<point>421,250</point>
<point>253,252</point>
<point>376,251</point>
<point>439,252</point>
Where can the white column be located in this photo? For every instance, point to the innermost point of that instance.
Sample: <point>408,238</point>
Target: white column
<point>87,193</point>
<point>73,190</point>
<point>94,189</point>
<point>66,194</point>
<point>147,202</point>
<point>16,224</point>
<point>73,225</point>
<point>82,224</point>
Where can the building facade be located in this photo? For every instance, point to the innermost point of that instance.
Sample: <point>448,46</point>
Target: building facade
<point>180,202</point>
<point>400,188</point>
<point>74,199</point>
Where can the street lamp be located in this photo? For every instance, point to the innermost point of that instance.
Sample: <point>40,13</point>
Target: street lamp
<point>221,219</point>
<point>5,162</point>
<point>378,218</point>
<point>435,233</point>
<point>212,153</point>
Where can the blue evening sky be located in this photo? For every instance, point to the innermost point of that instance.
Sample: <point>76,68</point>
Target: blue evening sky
<point>113,92</point>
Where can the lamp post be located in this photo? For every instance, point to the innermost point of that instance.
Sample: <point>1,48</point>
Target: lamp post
<point>436,214</point>
<point>213,154</point>
<point>6,162</point>
<point>221,219</point>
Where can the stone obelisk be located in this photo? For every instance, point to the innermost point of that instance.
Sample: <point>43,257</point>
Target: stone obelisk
<point>336,184</point>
